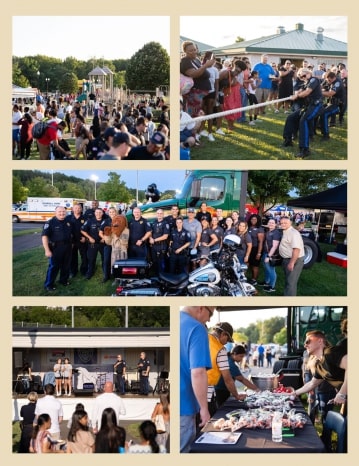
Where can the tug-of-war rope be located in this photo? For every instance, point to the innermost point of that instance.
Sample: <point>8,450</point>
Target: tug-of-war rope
<point>229,112</point>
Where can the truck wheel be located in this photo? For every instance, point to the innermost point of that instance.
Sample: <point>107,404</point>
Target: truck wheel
<point>15,219</point>
<point>310,252</point>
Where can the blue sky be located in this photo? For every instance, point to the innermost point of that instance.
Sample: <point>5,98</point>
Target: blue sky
<point>165,179</point>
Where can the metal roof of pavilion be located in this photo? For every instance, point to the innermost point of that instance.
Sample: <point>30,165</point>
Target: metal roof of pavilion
<point>202,47</point>
<point>97,72</point>
<point>298,42</point>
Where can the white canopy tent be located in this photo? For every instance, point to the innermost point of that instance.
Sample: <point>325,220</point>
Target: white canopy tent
<point>23,92</point>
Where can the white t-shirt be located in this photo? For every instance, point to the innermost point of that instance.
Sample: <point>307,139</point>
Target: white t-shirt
<point>103,401</point>
<point>214,74</point>
<point>53,407</point>
<point>16,116</point>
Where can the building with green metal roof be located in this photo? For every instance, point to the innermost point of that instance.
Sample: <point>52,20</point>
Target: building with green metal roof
<point>296,45</point>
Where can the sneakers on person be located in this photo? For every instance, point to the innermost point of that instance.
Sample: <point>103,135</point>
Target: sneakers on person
<point>251,123</point>
<point>211,137</point>
<point>204,133</point>
<point>253,282</point>
<point>262,284</point>
<point>257,120</point>
<point>220,131</point>
<point>276,111</point>
<point>197,138</point>
<point>268,289</point>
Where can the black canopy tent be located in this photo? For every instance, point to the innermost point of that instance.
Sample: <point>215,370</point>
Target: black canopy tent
<point>331,199</point>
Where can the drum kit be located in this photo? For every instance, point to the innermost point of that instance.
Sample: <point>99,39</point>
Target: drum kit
<point>162,384</point>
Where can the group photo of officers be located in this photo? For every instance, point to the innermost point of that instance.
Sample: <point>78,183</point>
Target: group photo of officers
<point>72,243</point>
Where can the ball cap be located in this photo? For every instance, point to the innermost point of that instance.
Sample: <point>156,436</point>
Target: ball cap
<point>226,328</point>
<point>120,138</point>
<point>109,132</point>
<point>159,139</point>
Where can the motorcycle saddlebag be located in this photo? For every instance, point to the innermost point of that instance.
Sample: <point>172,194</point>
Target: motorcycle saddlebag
<point>131,268</point>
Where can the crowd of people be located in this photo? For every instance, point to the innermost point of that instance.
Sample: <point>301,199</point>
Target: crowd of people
<point>100,432</point>
<point>129,125</point>
<point>314,97</point>
<point>170,243</point>
<point>208,370</point>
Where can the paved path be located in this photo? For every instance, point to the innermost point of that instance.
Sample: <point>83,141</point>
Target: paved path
<point>25,242</point>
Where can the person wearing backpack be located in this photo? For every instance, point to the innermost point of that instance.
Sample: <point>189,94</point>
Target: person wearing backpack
<point>49,135</point>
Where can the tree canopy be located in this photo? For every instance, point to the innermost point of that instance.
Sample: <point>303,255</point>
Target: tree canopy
<point>92,316</point>
<point>148,68</point>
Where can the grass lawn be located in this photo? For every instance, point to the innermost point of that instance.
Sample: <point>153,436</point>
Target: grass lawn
<point>29,270</point>
<point>264,140</point>
<point>26,232</point>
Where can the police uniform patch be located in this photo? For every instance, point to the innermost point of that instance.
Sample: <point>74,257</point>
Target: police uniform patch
<point>46,226</point>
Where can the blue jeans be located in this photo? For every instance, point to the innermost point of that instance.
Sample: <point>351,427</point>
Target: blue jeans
<point>187,432</point>
<point>244,100</point>
<point>270,274</point>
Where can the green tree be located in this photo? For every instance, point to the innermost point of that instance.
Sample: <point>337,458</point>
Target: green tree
<point>19,192</point>
<point>109,318</point>
<point>73,190</point>
<point>270,327</point>
<point>148,68</point>
<point>238,337</point>
<point>268,187</point>
<point>93,316</point>
<point>119,79</point>
<point>280,337</point>
<point>252,332</point>
<point>39,187</point>
<point>114,189</point>
<point>69,83</point>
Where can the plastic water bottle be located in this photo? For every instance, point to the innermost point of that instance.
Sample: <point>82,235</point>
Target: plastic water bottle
<point>277,427</point>
<point>121,449</point>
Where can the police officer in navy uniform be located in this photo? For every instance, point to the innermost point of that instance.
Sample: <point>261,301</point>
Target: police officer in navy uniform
<point>90,213</point>
<point>158,242</point>
<point>140,231</point>
<point>56,240</point>
<point>120,372</point>
<point>336,96</point>
<point>91,231</point>
<point>171,219</point>
<point>79,244</point>
<point>144,367</point>
<point>303,118</point>
<point>179,242</point>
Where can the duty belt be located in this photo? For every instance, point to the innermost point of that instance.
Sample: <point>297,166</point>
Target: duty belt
<point>60,243</point>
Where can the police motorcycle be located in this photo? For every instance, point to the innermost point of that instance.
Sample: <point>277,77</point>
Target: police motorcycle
<point>222,275</point>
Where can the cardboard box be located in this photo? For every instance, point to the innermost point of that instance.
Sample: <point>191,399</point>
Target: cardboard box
<point>337,259</point>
